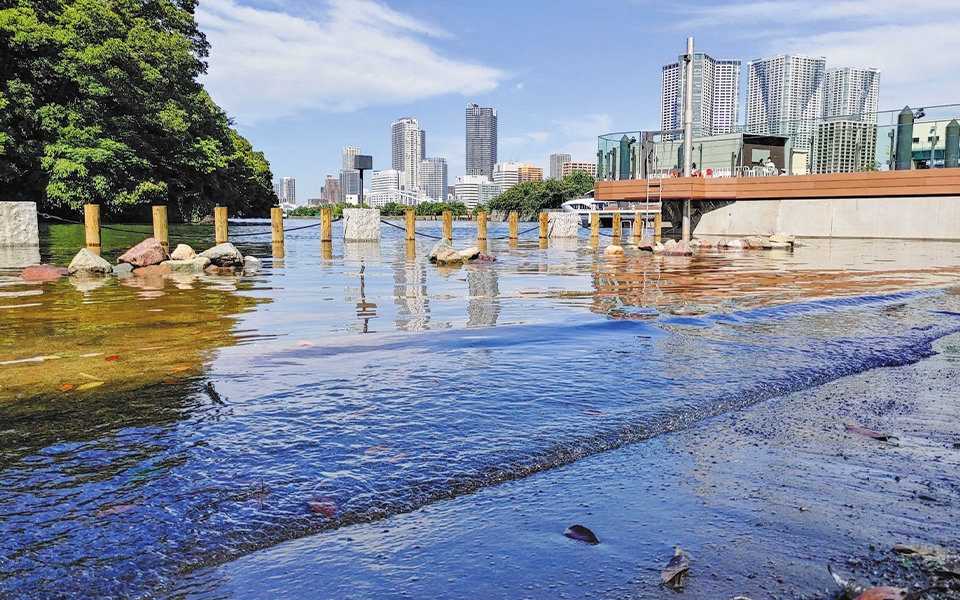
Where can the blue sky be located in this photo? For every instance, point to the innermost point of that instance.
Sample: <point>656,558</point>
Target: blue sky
<point>304,78</point>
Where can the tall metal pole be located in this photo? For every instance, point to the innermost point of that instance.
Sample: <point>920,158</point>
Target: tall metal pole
<point>687,132</point>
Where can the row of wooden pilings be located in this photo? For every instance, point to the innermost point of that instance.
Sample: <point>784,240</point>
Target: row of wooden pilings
<point>91,217</point>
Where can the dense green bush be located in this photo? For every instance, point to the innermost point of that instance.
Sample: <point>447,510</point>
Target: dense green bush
<point>532,197</point>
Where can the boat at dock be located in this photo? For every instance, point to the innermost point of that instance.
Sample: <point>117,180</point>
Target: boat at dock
<point>629,210</point>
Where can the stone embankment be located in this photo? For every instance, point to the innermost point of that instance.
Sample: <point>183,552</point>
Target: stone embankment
<point>779,241</point>
<point>150,259</point>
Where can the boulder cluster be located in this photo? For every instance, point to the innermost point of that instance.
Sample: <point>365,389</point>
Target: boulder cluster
<point>777,241</point>
<point>150,258</point>
<point>443,255</point>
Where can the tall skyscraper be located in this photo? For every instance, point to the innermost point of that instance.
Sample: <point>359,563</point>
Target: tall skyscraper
<point>716,94</point>
<point>407,143</point>
<point>385,181</point>
<point>288,190</point>
<point>556,164</point>
<point>844,146</point>
<point>349,176</point>
<point>331,190</point>
<point>481,140</point>
<point>851,91</point>
<point>433,178</point>
<point>785,96</point>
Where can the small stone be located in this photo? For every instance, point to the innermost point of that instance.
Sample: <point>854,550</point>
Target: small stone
<point>658,248</point>
<point>704,244</point>
<point>753,242</point>
<point>613,250</point>
<point>251,265</point>
<point>470,253</point>
<point>667,245</point>
<point>87,262</point>
<point>680,248</point>
<point>486,257</point>
<point>694,243</point>
<point>146,253</point>
<point>224,255</point>
<point>449,258</point>
<point>443,245</point>
<point>42,273</point>
<point>783,238</point>
<point>152,271</point>
<point>193,265</point>
<point>645,244</point>
<point>123,269</point>
<point>736,244</point>
<point>777,246</point>
<point>183,252</point>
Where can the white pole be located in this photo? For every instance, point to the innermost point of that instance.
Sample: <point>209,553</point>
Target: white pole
<point>687,132</point>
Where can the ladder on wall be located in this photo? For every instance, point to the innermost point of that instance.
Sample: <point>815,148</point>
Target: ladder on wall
<point>654,202</point>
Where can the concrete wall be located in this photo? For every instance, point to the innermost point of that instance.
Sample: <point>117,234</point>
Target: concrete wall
<point>18,224</point>
<point>924,217</point>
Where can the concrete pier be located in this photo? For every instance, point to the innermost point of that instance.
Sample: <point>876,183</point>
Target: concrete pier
<point>361,225</point>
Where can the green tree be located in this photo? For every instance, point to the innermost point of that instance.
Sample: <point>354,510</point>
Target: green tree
<point>532,197</point>
<point>99,102</point>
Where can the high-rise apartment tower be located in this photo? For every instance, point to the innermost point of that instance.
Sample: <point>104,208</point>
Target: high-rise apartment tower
<point>785,96</point>
<point>716,94</point>
<point>851,91</point>
<point>481,140</point>
<point>556,165</point>
<point>408,149</point>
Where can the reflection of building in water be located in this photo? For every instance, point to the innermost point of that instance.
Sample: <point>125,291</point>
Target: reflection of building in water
<point>483,308</point>
<point>410,293</point>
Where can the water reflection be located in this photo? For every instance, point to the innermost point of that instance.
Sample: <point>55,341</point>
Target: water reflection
<point>483,305</point>
<point>410,290</point>
<point>17,257</point>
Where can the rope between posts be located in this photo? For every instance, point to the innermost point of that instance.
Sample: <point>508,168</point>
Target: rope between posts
<point>598,231</point>
<point>121,229</point>
<point>437,237</point>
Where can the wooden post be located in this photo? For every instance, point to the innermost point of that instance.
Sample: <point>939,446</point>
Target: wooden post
<point>411,225</point>
<point>617,226</point>
<point>594,225</point>
<point>326,224</point>
<point>514,218</point>
<point>326,250</point>
<point>448,225</point>
<point>276,224</point>
<point>160,231</point>
<point>657,227</point>
<point>277,251</point>
<point>481,226</point>
<point>220,224</point>
<point>544,220</point>
<point>91,226</point>
<point>637,227</point>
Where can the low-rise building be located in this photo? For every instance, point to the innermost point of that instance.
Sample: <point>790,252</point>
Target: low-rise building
<point>844,146</point>
<point>569,167</point>
<point>475,189</point>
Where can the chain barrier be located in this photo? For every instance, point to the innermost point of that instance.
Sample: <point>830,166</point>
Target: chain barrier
<point>438,237</point>
<point>112,228</point>
<point>599,232</point>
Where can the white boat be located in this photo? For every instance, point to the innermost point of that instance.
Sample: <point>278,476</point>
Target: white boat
<point>587,205</point>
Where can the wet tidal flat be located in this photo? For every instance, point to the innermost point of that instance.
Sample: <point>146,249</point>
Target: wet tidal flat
<point>345,393</point>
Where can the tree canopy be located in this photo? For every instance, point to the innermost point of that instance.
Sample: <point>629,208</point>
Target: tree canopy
<point>100,103</point>
<point>531,197</point>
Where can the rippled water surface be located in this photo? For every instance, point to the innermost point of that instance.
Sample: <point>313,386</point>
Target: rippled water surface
<point>350,382</point>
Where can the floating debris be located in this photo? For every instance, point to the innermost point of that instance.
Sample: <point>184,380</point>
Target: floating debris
<point>676,570</point>
<point>876,435</point>
<point>582,534</point>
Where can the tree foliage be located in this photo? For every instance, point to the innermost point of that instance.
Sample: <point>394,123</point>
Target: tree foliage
<point>100,103</point>
<point>531,197</point>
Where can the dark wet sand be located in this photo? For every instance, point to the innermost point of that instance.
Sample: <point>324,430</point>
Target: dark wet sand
<point>762,498</point>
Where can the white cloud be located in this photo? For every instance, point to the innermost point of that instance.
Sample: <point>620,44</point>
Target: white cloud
<point>524,140</point>
<point>266,64</point>
<point>911,45</point>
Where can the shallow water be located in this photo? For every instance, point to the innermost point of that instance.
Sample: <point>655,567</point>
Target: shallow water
<point>372,383</point>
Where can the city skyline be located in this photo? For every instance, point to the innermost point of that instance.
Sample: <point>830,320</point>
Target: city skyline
<point>274,68</point>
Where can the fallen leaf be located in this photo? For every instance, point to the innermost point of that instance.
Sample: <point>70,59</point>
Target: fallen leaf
<point>89,386</point>
<point>880,437</point>
<point>195,332</point>
<point>883,593</point>
<point>676,570</point>
<point>306,343</point>
<point>112,357</point>
<point>114,510</point>
<point>907,549</point>
<point>581,533</point>
<point>324,506</point>
<point>66,388</point>
<point>91,355</point>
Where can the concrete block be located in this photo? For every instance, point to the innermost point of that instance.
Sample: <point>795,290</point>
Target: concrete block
<point>18,224</point>
<point>563,225</point>
<point>361,224</point>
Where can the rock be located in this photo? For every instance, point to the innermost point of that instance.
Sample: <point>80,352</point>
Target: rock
<point>669,244</point>
<point>783,238</point>
<point>613,250</point>
<point>449,258</point>
<point>123,269</point>
<point>443,245</point>
<point>645,244</point>
<point>694,243</point>
<point>183,252</point>
<point>146,253</point>
<point>251,265</point>
<point>704,244</point>
<point>753,242</point>
<point>777,246</point>
<point>224,255</point>
<point>658,248</point>
<point>680,248</point>
<point>88,263</point>
<point>152,271</point>
<point>192,265</point>
<point>486,257</point>
<point>735,244</point>
<point>581,533</point>
<point>215,270</point>
<point>470,253</point>
<point>42,273</point>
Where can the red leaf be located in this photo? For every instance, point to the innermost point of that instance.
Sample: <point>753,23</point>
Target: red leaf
<point>66,388</point>
<point>112,357</point>
<point>324,506</point>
